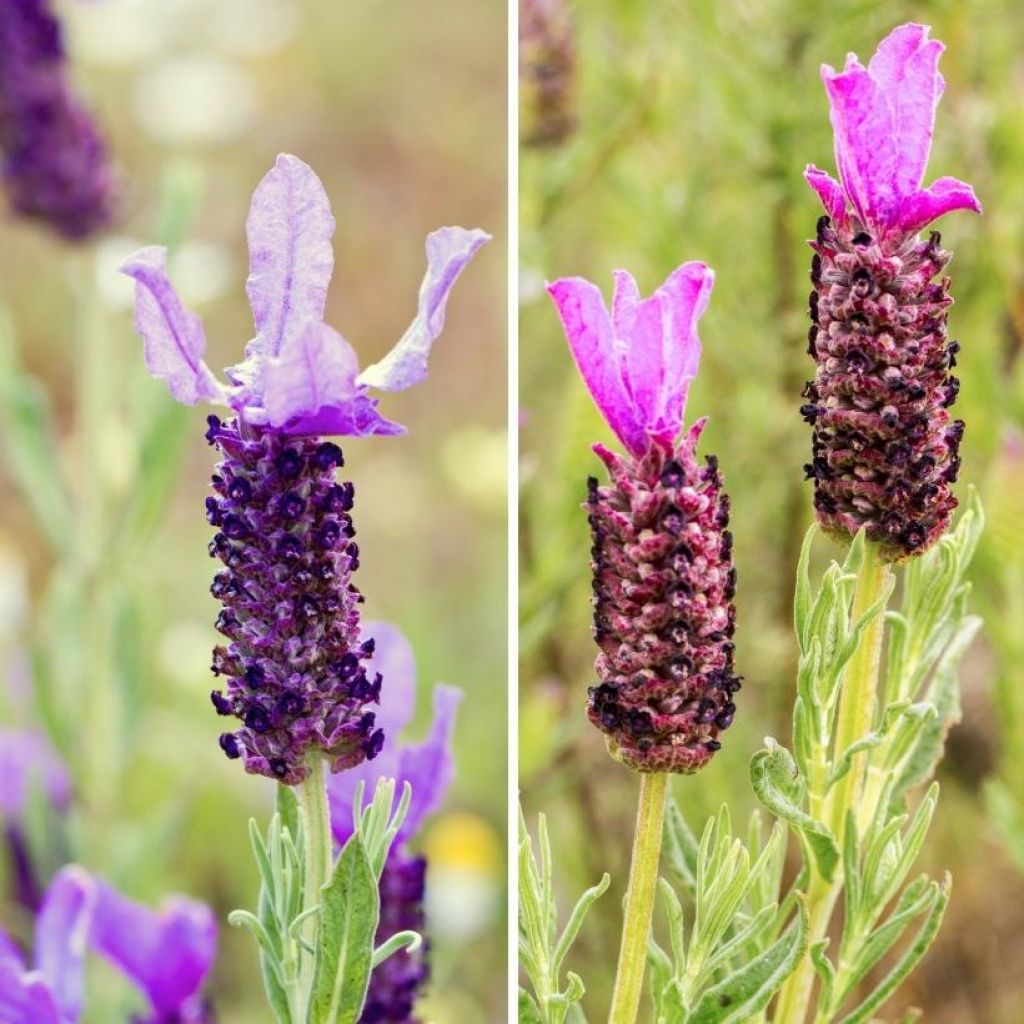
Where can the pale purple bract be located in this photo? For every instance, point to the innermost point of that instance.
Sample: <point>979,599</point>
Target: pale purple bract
<point>299,376</point>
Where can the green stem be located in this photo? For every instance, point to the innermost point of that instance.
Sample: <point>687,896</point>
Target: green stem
<point>855,718</point>
<point>316,847</point>
<point>643,880</point>
<point>860,691</point>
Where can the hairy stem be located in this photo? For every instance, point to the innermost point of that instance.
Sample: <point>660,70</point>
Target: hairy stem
<point>855,718</point>
<point>643,881</point>
<point>316,832</point>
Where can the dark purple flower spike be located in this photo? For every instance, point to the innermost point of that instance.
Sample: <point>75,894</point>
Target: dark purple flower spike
<point>293,663</point>
<point>54,159</point>
<point>662,556</point>
<point>428,768</point>
<point>167,954</point>
<point>885,447</point>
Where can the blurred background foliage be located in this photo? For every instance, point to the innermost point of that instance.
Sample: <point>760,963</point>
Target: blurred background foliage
<point>694,122</point>
<point>105,618</point>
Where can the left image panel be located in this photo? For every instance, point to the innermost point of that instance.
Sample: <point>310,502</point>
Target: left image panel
<point>253,540</point>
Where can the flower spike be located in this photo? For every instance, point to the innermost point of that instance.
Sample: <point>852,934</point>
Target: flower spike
<point>662,556</point>
<point>885,448</point>
<point>292,661</point>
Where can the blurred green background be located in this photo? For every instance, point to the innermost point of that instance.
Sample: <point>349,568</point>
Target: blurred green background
<point>694,122</point>
<point>105,617</point>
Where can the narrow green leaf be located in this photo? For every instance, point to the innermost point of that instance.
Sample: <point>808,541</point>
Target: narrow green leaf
<point>350,913</point>
<point>576,918</point>
<point>777,784</point>
<point>802,595</point>
<point>749,990</point>
<point>528,1010</point>
<point>906,963</point>
<point>409,941</point>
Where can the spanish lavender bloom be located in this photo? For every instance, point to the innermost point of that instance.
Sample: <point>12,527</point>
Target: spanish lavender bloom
<point>662,556</point>
<point>547,72</point>
<point>166,954</point>
<point>55,164</point>
<point>27,762</point>
<point>294,666</point>
<point>428,768</point>
<point>885,448</point>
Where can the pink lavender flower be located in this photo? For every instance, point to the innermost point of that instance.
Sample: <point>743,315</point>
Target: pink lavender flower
<point>54,164</point>
<point>166,954</point>
<point>662,556</point>
<point>428,768</point>
<point>294,666</point>
<point>885,448</point>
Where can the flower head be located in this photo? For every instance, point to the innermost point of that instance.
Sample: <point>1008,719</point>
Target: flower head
<point>663,578</point>
<point>547,72</point>
<point>54,159</point>
<point>638,361</point>
<point>428,767</point>
<point>883,116</point>
<point>299,376</point>
<point>293,662</point>
<point>166,954</point>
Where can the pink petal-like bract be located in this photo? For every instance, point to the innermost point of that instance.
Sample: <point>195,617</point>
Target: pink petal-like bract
<point>883,117</point>
<point>638,362</point>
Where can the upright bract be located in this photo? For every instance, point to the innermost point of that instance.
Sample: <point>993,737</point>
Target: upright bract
<point>293,661</point>
<point>428,768</point>
<point>54,158</point>
<point>885,448</point>
<point>662,556</point>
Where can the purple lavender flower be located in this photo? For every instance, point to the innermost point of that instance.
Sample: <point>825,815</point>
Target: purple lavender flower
<point>27,763</point>
<point>662,557</point>
<point>167,954</point>
<point>55,166</point>
<point>428,768</point>
<point>547,72</point>
<point>885,448</point>
<point>294,666</point>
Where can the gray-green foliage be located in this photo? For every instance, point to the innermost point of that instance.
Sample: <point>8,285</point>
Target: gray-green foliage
<point>344,954</point>
<point>864,843</point>
<point>727,964</point>
<point>542,948</point>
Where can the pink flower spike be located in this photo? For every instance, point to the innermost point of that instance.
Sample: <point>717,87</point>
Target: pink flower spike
<point>638,363</point>
<point>883,117</point>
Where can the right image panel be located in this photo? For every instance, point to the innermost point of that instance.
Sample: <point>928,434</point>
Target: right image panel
<point>771,695</point>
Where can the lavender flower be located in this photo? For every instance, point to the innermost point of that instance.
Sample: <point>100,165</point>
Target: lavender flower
<point>428,768</point>
<point>662,557</point>
<point>885,448</point>
<point>167,954</point>
<point>294,666</point>
<point>27,763</point>
<point>547,72</point>
<point>55,165</point>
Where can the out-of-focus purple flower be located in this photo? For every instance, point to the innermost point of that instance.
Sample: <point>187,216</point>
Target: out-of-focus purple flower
<point>166,954</point>
<point>299,376</point>
<point>293,661</point>
<point>547,72</point>
<point>885,448</point>
<point>428,767</point>
<point>883,117</point>
<point>55,165</point>
<point>662,557</point>
<point>27,763</point>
